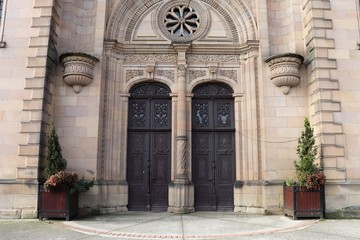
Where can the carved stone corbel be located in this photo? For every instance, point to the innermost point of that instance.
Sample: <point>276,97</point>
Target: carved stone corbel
<point>213,71</point>
<point>150,69</point>
<point>79,69</point>
<point>284,70</point>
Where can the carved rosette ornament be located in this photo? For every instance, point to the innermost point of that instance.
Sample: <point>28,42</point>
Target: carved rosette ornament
<point>285,70</point>
<point>79,69</point>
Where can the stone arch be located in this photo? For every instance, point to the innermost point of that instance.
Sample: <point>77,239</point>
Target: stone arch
<point>126,13</point>
<point>196,83</point>
<point>137,81</point>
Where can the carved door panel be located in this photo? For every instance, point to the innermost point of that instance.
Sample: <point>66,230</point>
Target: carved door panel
<point>213,148</point>
<point>138,163</point>
<point>224,170</point>
<point>160,170</point>
<point>149,147</point>
<point>203,174</point>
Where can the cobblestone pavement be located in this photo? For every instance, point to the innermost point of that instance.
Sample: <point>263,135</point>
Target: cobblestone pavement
<point>199,225</point>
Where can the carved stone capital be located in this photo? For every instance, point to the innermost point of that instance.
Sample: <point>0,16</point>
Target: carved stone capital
<point>181,70</point>
<point>285,70</point>
<point>79,69</point>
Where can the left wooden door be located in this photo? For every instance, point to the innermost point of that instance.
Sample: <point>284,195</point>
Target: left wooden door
<point>149,148</point>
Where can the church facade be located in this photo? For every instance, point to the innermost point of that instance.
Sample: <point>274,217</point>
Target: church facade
<point>179,106</point>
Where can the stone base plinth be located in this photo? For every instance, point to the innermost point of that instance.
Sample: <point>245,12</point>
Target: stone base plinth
<point>181,197</point>
<point>114,197</point>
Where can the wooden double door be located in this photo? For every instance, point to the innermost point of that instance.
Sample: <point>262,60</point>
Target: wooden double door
<point>213,148</point>
<point>149,147</point>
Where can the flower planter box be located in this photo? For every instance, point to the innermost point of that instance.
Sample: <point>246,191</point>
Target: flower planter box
<point>303,203</point>
<point>58,205</point>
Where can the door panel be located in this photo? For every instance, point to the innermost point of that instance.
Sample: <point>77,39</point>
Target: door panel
<point>213,147</point>
<point>202,167</point>
<point>160,174</point>
<point>137,169</point>
<point>149,143</point>
<point>225,174</point>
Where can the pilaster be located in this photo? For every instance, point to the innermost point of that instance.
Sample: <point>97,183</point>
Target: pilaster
<point>323,87</point>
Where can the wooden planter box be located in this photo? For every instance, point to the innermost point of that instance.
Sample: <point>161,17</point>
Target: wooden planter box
<point>58,205</point>
<point>303,203</point>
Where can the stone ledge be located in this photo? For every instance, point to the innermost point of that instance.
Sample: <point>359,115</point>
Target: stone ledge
<point>27,173</point>
<point>41,21</point>
<point>251,210</point>
<point>10,214</point>
<point>29,214</point>
<point>346,213</point>
<point>43,3</point>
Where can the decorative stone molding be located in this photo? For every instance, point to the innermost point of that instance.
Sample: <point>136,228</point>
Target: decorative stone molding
<point>285,70</point>
<point>170,74</point>
<point>79,69</point>
<point>231,74</point>
<point>194,74</point>
<point>213,58</point>
<point>150,58</point>
<point>133,73</point>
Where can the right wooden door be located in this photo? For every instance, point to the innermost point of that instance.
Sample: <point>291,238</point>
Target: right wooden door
<point>213,147</point>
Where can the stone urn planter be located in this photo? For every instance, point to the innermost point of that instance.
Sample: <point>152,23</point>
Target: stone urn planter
<point>284,70</point>
<point>79,69</point>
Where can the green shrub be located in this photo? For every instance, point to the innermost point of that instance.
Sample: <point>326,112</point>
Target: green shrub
<point>306,168</point>
<point>54,160</point>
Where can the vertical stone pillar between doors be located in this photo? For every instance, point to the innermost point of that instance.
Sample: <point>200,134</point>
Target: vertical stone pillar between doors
<point>181,191</point>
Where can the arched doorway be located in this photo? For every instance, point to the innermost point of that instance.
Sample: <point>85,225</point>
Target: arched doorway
<point>149,147</point>
<point>213,147</point>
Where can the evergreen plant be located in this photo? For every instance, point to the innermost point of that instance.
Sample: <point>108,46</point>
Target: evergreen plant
<point>307,151</point>
<point>54,160</point>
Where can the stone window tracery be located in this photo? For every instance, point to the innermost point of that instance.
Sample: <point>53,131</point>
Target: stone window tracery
<point>182,21</point>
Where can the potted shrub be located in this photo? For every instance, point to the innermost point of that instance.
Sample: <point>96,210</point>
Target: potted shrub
<point>305,196</point>
<point>59,195</point>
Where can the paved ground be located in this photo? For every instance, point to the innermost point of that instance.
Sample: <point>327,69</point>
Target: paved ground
<point>200,225</point>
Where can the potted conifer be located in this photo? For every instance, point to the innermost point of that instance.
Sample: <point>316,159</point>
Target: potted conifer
<point>59,195</point>
<point>305,197</point>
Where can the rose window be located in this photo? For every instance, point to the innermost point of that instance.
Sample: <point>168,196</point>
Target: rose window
<point>182,21</point>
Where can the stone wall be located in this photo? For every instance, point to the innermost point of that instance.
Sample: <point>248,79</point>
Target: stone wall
<point>92,124</point>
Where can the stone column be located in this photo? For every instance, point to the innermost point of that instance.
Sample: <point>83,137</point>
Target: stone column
<point>181,191</point>
<point>181,138</point>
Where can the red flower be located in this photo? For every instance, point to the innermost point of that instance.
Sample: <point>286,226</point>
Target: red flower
<point>52,180</point>
<point>315,181</point>
<point>61,181</point>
